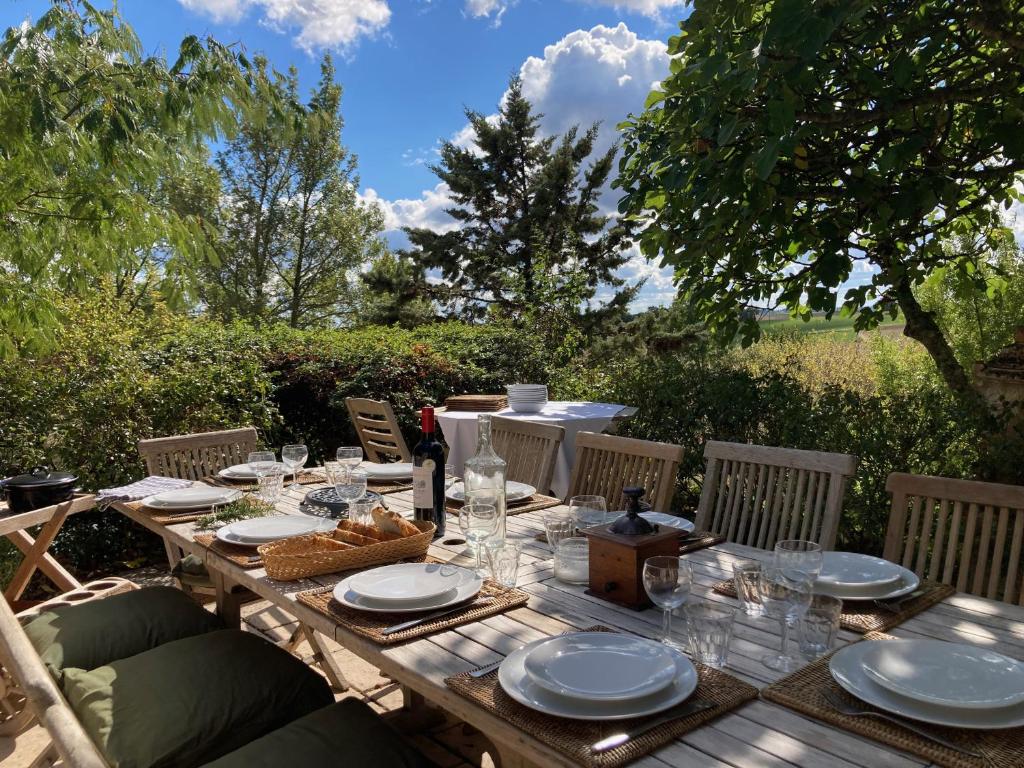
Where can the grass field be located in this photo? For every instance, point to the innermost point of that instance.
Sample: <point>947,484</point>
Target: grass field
<point>840,326</point>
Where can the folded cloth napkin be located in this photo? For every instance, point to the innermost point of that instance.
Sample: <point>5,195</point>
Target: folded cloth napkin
<point>141,489</point>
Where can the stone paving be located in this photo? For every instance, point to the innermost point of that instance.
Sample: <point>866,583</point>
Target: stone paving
<point>445,740</point>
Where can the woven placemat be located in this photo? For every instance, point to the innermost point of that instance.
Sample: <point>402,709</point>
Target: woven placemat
<point>573,738</point>
<point>306,477</point>
<point>383,488</point>
<point>536,502</point>
<point>162,519</point>
<point>241,556</point>
<point>804,691</point>
<point>369,625</point>
<point>865,616</point>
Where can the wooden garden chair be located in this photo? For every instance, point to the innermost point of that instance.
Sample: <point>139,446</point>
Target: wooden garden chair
<point>961,532</point>
<point>194,457</point>
<point>605,464</point>
<point>758,495</point>
<point>530,450</point>
<point>378,430</point>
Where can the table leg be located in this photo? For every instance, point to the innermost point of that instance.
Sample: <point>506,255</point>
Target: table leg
<point>325,660</point>
<point>228,606</point>
<point>37,558</point>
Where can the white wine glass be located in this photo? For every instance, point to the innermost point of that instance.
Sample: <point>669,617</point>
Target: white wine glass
<point>589,510</point>
<point>294,457</point>
<point>798,557</point>
<point>667,580</point>
<point>785,595</point>
<point>478,523</point>
<point>350,485</point>
<point>261,461</point>
<point>349,456</point>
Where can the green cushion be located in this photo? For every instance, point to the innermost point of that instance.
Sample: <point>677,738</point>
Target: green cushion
<point>348,733</point>
<point>188,702</point>
<point>89,635</point>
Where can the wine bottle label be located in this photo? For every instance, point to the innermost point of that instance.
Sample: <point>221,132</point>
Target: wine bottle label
<point>423,485</point>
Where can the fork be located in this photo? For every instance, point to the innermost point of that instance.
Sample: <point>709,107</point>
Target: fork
<point>852,710</point>
<point>896,605</point>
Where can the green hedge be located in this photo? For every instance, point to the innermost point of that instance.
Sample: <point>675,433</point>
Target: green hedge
<point>120,377</point>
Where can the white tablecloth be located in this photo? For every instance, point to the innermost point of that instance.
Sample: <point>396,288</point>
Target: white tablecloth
<point>459,430</point>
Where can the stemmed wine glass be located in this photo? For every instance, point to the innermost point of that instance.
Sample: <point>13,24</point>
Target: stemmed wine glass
<point>349,456</point>
<point>351,485</point>
<point>589,510</point>
<point>667,580</point>
<point>796,556</point>
<point>261,461</point>
<point>785,595</point>
<point>478,523</point>
<point>294,457</point>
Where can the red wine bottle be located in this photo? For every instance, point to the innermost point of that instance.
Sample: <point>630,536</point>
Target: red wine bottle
<point>428,475</point>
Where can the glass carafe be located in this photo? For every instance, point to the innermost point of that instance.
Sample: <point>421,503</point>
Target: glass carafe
<point>484,475</point>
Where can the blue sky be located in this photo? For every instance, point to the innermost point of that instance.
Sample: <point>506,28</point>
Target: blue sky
<point>409,67</point>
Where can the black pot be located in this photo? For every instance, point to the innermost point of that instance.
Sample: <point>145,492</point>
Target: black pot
<point>38,488</point>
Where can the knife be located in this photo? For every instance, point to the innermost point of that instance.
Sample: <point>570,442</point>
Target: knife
<point>618,739</point>
<point>434,615</point>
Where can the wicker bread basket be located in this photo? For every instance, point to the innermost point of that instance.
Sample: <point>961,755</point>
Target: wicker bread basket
<point>317,553</point>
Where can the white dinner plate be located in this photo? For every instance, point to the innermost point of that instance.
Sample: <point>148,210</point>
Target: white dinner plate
<point>400,470</point>
<point>907,583</point>
<point>196,496</point>
<point>847,667</point>
<point>260,530</point>
<point>850,570</point>
<point>660,518</point>
<point>947,674</point>
<point>527,407</point>
<point>466,590</point>
<point>608,666</point>
<point>407,582</point>
<point>518,684</point>
<point>246,472</point>
<point>513,492</point>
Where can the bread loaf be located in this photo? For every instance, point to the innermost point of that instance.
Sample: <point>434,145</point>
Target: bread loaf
<point>392,522</point>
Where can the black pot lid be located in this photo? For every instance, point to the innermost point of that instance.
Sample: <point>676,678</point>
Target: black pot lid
<point>40,477</point>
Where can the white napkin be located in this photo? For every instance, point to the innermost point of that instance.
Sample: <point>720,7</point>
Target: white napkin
<point>142,488</point>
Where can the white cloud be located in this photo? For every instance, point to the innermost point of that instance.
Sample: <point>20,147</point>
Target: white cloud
<point>334,24</point>
<point>427,210</point>
<point>485,8</point>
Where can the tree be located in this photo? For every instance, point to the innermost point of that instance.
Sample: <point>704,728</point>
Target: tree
<point>797,139</point>
<point>523,204</point>
<point>394,291</point>
<point>978,298</point>
<point>293,228</point>
<point>89,129</point>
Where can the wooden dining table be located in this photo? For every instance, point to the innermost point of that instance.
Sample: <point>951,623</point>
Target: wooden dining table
<point>759,733</point>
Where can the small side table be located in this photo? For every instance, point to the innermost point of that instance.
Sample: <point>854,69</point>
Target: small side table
<point>35,550</point>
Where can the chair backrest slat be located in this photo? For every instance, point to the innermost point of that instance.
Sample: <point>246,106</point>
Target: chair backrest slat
<point>193,457</point>
<point>377,428</point>
<point>605,464</point>
<point>962,532</point>
<point>757,495</point>
<point>530,450</point>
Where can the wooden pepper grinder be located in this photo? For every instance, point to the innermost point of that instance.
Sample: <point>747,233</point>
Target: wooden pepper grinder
<point>618,552</point>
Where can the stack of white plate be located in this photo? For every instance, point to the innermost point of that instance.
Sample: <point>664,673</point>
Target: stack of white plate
<point>850,576</point>
<point>960,686</point>
<point>196,496</point>
<point>408,587</point>
<point>527,398</point>
<point>597,676</point>
<point>246,471</point>
<point>263,530</point>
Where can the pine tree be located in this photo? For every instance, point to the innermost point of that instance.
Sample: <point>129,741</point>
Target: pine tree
<point>528,220</point>
<point>294,231</point>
